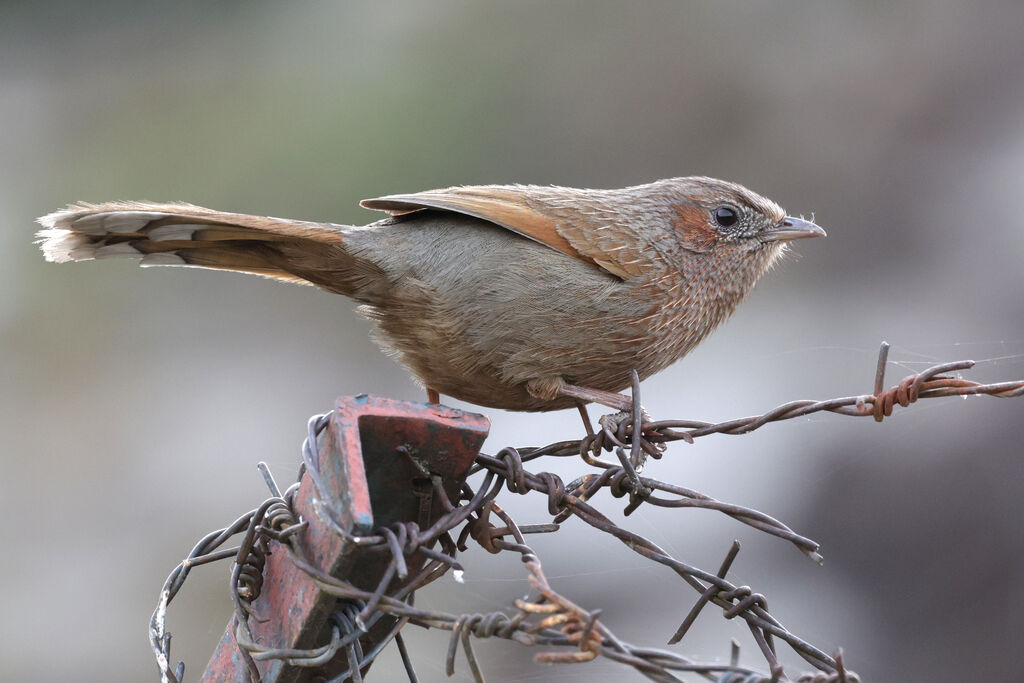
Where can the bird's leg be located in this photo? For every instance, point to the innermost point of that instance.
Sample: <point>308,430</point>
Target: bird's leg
<point>629,413</point>
<point>433,396</point>
<point>605,398</point>
<point>593,455</point>
<point>582,407</point>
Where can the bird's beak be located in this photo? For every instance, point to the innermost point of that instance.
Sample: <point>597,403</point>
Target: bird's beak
<point>792,229</point>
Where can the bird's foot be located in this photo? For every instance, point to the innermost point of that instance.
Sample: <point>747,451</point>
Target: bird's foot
<point>617,430</point>
<point>620,430</point>
<point>621,422</point>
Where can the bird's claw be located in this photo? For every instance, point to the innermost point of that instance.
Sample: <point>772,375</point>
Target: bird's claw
<point>615,424</point>
<point>618,431</point>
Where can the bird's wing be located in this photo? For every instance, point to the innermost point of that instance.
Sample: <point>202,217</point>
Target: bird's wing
<point>521,210</point>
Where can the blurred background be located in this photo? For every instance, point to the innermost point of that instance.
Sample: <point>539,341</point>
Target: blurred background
<point>135,404</point>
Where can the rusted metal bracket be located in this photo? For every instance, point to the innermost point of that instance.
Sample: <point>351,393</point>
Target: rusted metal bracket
<point>377,460</point>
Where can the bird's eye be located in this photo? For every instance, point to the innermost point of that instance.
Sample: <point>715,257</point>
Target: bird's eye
<point>726,216</point>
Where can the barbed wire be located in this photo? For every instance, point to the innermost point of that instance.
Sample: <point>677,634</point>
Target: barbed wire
<point>565,631</point>
<point>929,383</point>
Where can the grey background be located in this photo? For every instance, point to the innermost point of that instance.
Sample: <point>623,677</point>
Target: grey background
<point>134,405</point>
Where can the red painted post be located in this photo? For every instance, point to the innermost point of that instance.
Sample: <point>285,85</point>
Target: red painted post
<point>370,484</point>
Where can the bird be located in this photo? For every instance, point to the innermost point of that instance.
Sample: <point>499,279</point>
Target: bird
<point>517,297</point>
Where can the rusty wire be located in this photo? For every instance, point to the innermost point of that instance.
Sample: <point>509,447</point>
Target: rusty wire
<point>566,632</point>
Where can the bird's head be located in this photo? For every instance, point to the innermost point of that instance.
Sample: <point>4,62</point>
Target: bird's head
<point>715,215</point>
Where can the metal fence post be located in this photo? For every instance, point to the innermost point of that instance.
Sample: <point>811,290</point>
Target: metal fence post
<point>372,460</point>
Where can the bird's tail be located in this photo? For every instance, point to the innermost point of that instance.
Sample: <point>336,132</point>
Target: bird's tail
<point>187,235</point>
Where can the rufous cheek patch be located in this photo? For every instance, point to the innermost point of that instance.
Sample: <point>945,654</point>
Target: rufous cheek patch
<point>691,224</point>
